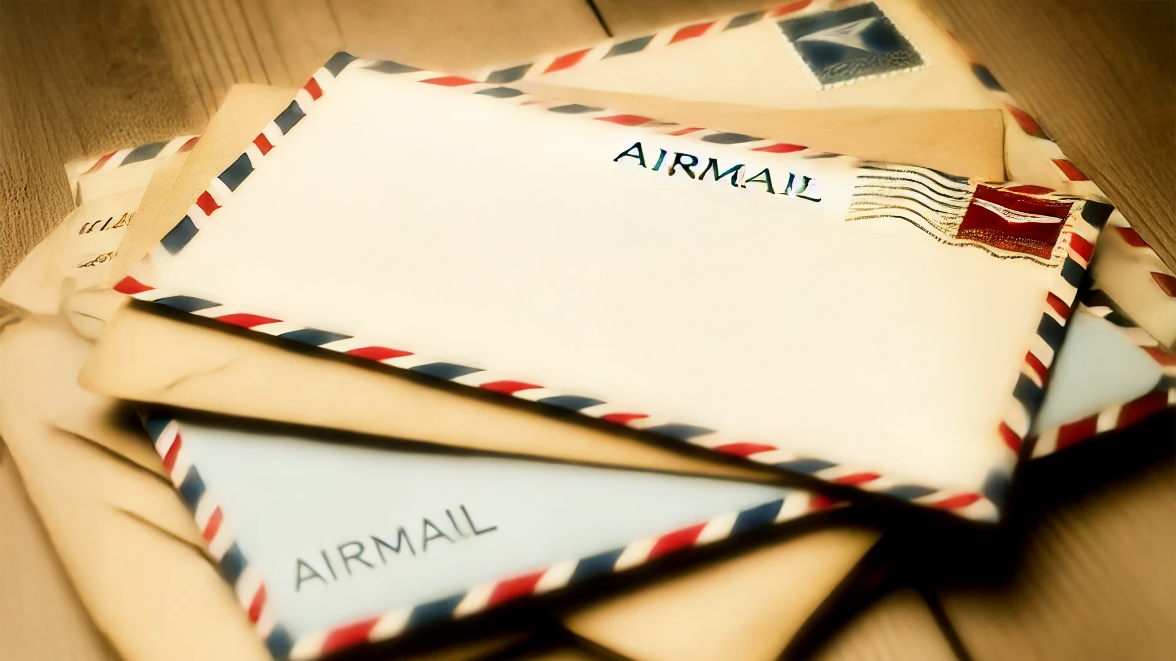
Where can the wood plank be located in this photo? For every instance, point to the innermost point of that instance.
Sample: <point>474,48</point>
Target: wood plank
<point>79,78</point>
<point>1096,580</point>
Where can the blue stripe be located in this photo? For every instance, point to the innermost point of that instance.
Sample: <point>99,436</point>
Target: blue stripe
<point>806,466</point>
<point>313,336</point>
<point>155,424</point>
<point>232,564</point>
<point>279,643</point>
<point>143,153</point>
<point>1096,213</point>
<point>729,138</point>
<point>186,303</point>
<point>508,75</point>
<point>996,486</point>
<point>570,402</point>
<point>289,117</point>
<point>444,370</point>
<point>1051,331</point>
<point>192,488</point>
<point>907,491</point>
<point>1072,271</point>
<point>338,62</point>
<point>679,431</point>
<point>756,517</point>
<point>573,109</point>
<point>986,78</point>
<point>236,173</point>
<point>179,236</point>
<point>744,19</point>
<point>501,92</point>
<point>388,66</point>
<point>595,565</point>
<point>1029,394</point>
<point>630,46</point>
<point>434,611</point>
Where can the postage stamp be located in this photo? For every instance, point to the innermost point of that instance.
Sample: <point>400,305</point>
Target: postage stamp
<point>847,45</point>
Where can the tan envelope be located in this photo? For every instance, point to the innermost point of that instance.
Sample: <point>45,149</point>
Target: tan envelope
<point>136,556</point>
<point>145,357</point>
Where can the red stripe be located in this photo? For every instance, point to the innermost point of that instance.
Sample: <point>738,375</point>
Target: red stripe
<point>1073,432</point>
<point>1070,170</point>
<point>169,458</point>
<point>312,87</point>
<point>188,144</point>
<point>257,604</point>
<point>673,541</point>
<point>818,502</point>
<point>378,353</point>
<point>98,165</point>
<point>348,636</point>
<point>1030,190</point>
<point>857,478</point>
<point>449,81</point>
<point>246,320</point>
<point>1161,357</point>
<point>623,418</point>
<point>513,588</point>
<point>1038,367</point>
<point>626,120</point>
<point>1081,246</point>
<point>789,8</point>
<point>508,387</point>
<point>1058,305</point>
<point>781,148</point>
<point>1165,282</point>
<point>956,502</point>
<point>1010,437</point>
<point>213,525</point>
<point>131,286</point>
<point>1138,409</point>
<point>685,131</point>
<point>206,203</point>
<point>1132,237</point>
<point>565,61</point>
<point>263,144</point>
<point>691,31</point>
<point>743,449</point>
<point>1026,122</point>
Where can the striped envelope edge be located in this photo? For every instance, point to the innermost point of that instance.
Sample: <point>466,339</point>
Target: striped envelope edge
<point>1069,260</point>
<point>1142,286</point>
<point>216,528</point>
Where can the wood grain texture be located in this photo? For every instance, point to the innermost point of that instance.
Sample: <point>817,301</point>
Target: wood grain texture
<point>78,78</point>
<point>1096,580</point>
<point>899,627</point>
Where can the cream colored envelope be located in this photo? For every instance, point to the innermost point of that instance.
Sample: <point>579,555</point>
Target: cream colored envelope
<point>223,372</point>
<point>135,555</point>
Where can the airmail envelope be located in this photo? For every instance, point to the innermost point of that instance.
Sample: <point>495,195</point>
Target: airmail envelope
<point>737,294</point>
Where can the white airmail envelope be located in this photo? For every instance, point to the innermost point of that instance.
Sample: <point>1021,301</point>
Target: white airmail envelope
<point>329,545</point>
<point>873,325</point>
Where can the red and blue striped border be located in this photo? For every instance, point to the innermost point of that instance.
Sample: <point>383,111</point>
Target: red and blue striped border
<point>165,432</point>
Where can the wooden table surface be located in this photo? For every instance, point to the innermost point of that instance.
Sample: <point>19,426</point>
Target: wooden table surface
<point>1096,578</point>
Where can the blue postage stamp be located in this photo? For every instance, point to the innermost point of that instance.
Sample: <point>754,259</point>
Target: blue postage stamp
<point>842,46</point>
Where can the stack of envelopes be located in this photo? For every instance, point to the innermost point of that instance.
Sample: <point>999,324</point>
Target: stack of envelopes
<point>648,343</point>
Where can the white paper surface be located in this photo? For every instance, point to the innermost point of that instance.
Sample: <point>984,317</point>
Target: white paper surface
<point>509,239</point>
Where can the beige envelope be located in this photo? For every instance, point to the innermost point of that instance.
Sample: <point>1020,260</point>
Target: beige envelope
<point>146,357</point>
<point>136,556</point>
